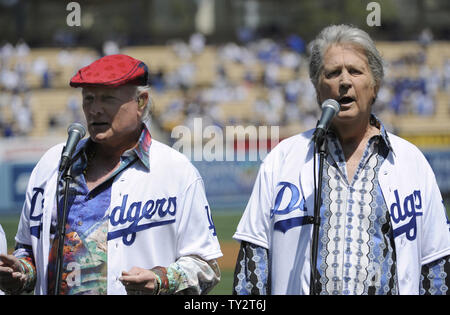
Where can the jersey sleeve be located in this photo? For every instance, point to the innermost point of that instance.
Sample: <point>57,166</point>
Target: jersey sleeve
<point>3,244</point>
<point>254,226</point>
<point>196,231</point>
<point>31,215</point>
<point>435,232</point>
<point>33,199</point>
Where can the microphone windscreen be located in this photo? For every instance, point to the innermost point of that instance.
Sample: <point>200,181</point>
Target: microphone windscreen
<point>77,127</point>
<point>331,103</point>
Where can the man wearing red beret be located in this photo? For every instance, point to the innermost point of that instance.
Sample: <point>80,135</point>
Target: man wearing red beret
<point>138,219</point>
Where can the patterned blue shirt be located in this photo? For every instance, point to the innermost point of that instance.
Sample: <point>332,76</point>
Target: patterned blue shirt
<point>356,251</point>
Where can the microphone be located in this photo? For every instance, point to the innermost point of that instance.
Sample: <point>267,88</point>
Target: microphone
<point>76,132</point>
<point>330,108</point>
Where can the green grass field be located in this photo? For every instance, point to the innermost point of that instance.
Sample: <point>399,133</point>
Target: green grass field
<point>9,224</point>
<point>226,223</point>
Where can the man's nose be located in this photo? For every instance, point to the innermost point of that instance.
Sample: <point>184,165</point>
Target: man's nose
<point>96,107</point>
<point>345,81</point>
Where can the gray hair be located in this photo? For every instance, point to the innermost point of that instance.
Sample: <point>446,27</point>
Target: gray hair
<point>344,34</point>
<point>146,116</point>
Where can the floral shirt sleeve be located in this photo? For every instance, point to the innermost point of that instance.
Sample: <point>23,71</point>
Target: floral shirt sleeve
<point>188,275</point>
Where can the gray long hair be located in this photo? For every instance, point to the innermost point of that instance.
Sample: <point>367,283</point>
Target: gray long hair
<point>344,34</point>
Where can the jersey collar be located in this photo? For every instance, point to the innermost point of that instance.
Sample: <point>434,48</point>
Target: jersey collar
<point>141,149</point>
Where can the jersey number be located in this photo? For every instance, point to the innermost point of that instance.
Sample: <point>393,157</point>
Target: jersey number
<point>210,220</point>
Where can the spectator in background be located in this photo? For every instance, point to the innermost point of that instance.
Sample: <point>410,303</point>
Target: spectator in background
<point>426,38</point>
<point>20,107</point>
<point>6,52</point>
<point>446,76</point>
<point>296,43</point>
<point>110,47</point>
<point>157,80</point>
<point>22,49</point>
<point>197,43</point>
<point>74,108</point>
<point>9,79</point>
<point>41,69</point>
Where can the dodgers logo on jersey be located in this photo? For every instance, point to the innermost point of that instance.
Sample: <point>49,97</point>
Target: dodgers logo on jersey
<point>406,210</point>
<point>36,208</point>
<point>288,190</point>
<point>137,212</point>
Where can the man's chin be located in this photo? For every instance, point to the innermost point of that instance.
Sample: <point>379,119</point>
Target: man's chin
<point>99,138</point>
<point>347,117</point>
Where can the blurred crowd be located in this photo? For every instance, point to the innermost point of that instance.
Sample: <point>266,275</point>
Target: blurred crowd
<point>22,74</point>
<point>410,87</point>
<point>272,86</point>
<point>14,95</point>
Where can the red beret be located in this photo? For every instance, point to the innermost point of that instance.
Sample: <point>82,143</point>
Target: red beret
<point>112,71</point>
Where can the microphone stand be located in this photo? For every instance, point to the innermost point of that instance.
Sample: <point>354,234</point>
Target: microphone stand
<point>319,147</point>
<point>66,175</point>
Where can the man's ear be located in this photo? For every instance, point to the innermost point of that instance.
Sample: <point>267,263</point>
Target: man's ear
<point>318,97</point>
<point>142,99</point>
<point>376,88</point>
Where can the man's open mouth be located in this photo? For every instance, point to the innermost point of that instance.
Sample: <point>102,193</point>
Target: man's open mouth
<point>99,124</point>
<point>346,100</point>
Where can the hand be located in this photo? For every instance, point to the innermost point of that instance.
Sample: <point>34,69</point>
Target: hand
<point>12,278</point>
<point>140,281</point>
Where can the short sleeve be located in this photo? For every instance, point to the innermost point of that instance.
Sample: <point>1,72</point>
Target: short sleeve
<point>254,226</point>
<point>3,244</point>
<point>196,231</point>
<point>435,233</point>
